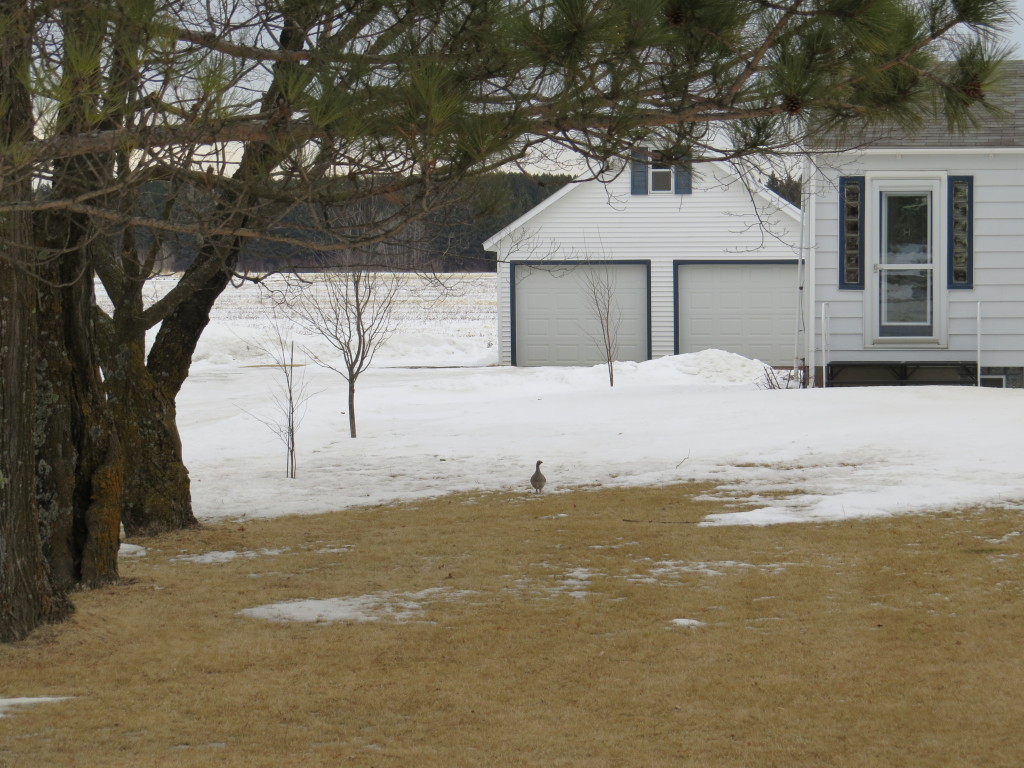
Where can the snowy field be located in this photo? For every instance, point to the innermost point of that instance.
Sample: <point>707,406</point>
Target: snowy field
<point>436,415</point>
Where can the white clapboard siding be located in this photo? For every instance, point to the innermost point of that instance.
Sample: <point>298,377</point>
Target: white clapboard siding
<point>597,221</point>
<point>998,261</point>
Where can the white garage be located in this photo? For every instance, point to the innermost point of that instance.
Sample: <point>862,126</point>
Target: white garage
<point>556,314</point>
<point>744,307</point>
<point>658,239</point>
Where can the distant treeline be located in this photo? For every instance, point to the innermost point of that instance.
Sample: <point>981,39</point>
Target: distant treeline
<point>447,239</point>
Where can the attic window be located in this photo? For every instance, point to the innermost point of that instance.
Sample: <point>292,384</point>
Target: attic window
<point>660,174</point>
<point>653,173</point>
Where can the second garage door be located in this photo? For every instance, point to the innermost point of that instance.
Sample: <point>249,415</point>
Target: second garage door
<point>556,318</point>
<point>746,308</point>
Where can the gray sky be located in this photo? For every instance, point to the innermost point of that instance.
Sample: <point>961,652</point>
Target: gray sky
<point>1017,33</point>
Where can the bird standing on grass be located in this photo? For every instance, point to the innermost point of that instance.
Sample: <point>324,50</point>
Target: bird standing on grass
<point>538,479</point>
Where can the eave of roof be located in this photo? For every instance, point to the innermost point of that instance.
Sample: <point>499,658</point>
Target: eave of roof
<point>777,202</point>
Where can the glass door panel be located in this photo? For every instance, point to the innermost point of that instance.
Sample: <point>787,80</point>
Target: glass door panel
<point>906,265</point>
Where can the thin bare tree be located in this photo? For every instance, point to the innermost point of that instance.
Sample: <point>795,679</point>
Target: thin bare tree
<point>353,310</point>
<point>598,285</point>
<point>290,395</point>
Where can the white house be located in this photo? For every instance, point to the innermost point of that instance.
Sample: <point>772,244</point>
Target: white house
<point>917,254</point>
<point>693,258</point>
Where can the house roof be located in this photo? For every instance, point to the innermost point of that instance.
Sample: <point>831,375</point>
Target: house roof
<point>491,244</point>
<point>991,131</point>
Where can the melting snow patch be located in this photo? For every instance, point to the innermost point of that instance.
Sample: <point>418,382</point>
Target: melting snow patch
<point>131,550</point>
<point>576,582</point>
<point>688,623</point>
<point>674,569</point>
<point>6,704</point>
<point>1004,539</point>
<point>226,556</point>
<point>393,606</point>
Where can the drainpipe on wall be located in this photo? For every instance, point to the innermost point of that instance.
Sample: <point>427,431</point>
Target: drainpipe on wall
<point>807,255</point>
<point>801,279</point>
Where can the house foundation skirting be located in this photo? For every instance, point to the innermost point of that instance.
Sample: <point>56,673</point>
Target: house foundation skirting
<point>903,374</point>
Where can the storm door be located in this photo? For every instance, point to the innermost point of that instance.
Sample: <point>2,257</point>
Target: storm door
<point>905,268</point>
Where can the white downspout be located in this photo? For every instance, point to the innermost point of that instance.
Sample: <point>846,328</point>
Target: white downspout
<point>801,280</point>
<point>807,216</point>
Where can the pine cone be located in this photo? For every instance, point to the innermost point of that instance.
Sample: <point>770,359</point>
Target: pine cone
<point>974,91</point>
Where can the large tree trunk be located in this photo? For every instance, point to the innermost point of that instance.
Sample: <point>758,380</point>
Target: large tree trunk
<point>28,596</point>
<point>157,489</point>
<point>156,485</point>
<point>79,459</point>
<point>80,462</point>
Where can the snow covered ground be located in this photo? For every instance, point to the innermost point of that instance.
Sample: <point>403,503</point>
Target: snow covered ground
<point>436,415</point>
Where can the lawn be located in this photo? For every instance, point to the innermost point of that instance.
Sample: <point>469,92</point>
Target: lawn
<point>585,628</point>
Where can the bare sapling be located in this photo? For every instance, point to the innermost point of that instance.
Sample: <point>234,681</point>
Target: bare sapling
<point>781,379</point>
<point>289,397</point>
<point>599,290</point>
<point>353,310</point>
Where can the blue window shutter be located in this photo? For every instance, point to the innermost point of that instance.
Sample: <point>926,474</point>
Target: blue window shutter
<point>683,178</point>
<point>851,232</point>
<point>960,229</point>
<point>638,173</point>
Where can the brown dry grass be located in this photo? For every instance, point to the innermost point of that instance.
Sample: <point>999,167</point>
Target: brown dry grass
<point>895,642</point>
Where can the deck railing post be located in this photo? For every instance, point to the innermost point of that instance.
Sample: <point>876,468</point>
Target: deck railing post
<point>977,328</point>
<point>824,344</point>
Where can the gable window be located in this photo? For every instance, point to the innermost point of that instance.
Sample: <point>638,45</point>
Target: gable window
<point>651,173</point>
<point>660,174</point>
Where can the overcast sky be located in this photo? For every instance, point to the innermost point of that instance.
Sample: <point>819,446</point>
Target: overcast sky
<point>1017,34</point>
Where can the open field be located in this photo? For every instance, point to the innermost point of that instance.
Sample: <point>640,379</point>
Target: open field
<point>599,628</point>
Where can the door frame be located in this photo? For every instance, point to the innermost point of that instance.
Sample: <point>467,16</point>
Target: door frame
<point>879,185</point>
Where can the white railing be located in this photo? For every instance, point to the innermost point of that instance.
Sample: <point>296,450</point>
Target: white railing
<point>977,328</point>
<point>824,344</point>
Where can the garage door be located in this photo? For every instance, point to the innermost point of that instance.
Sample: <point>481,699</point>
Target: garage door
<point>749,309</point>
<point>556,314</point>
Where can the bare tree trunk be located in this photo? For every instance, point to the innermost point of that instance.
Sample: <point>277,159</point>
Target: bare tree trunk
<point>143,393</point>
<point>158,490</point>
<point>80,464</point>
<point>352,407</point>
<point>79,459</point>
<point>28,596</point>
<point>156,483</point>
<point>599,289</point>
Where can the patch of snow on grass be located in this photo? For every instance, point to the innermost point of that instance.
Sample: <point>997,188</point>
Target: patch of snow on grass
<point>131,550</point>
<point>226,556</point>
<point>391,606</point>
<point>6,704</point>
<point>673,569</point>
<point>1004,539</point>
<point>688,623</point>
